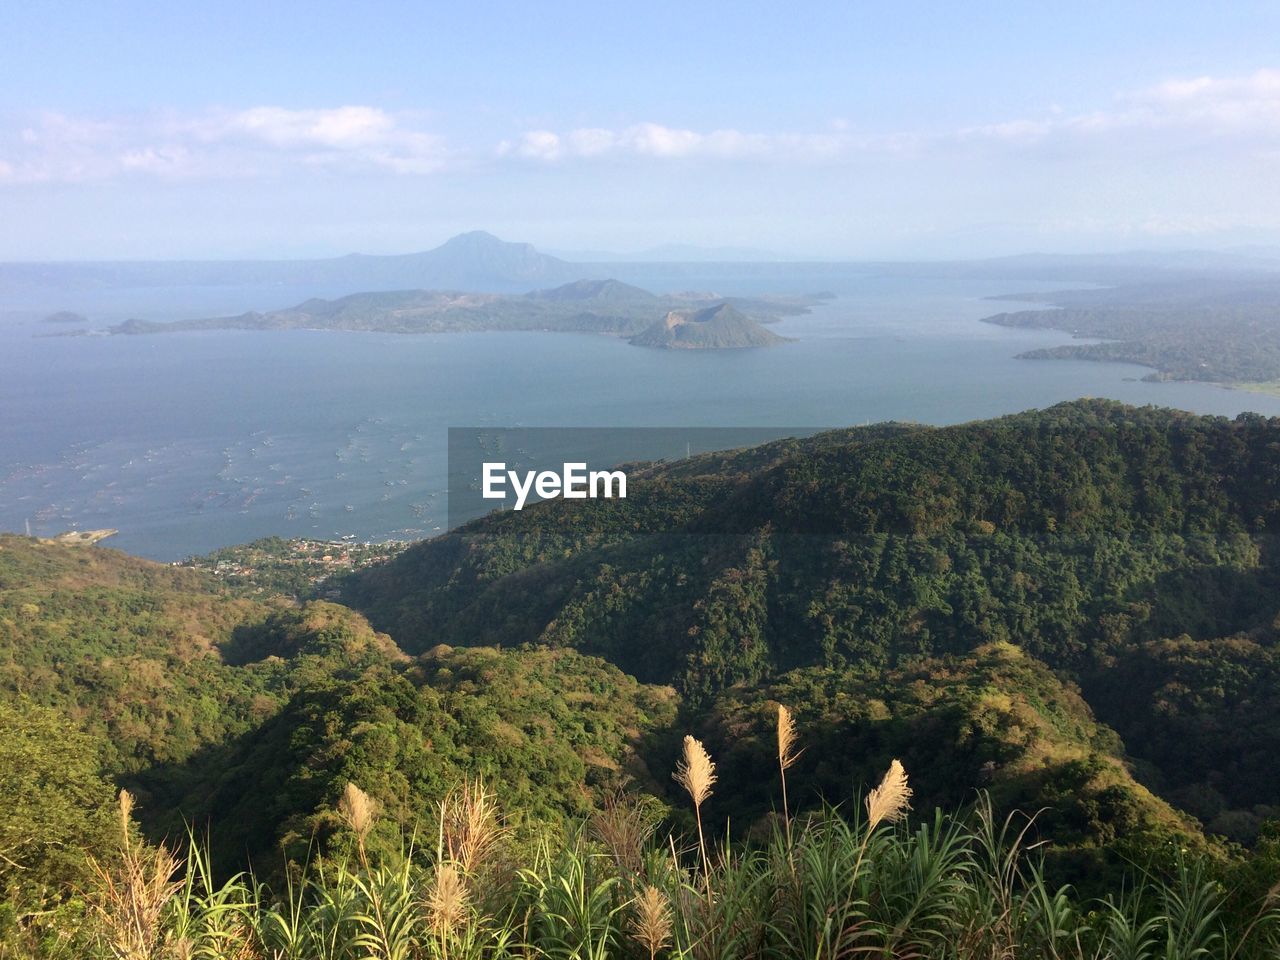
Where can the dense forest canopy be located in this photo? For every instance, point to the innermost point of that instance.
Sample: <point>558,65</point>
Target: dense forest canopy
<point>1099,539</point>
<point>1072,609</point>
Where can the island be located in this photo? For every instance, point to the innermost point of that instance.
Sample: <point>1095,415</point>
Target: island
<point>607,307</point>
<point>719,327</point>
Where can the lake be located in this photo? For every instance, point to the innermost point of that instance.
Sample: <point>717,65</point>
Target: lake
<point>189,442</point>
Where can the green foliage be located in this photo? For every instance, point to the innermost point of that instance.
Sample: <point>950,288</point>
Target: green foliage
<point>1086,535</point>
<point>57,807</point>
<point>966,887</point>
<point>1203,714</point>
<point>1072,609</point>
<point>128,648</point>
<point>552,731</point>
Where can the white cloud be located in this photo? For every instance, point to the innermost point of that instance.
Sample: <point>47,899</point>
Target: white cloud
<point>1227,116</point>
<point>1247,102</point>
<point>342,128</point>
<point>662,142</point>
<point>158,160</point>
<point>536,145</point>
<point>1247,107</point>
<point>258,141</point>
<point>1244,107</point>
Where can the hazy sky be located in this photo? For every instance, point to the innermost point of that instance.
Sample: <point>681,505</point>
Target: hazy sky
<point>848,129</point>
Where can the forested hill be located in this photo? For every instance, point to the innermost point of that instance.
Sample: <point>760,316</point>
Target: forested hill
<point>250,717</point>
<point>1074,609</point>
<point>1130,550</point>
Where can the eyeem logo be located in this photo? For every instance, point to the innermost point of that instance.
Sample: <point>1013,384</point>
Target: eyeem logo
<point>575,482</point>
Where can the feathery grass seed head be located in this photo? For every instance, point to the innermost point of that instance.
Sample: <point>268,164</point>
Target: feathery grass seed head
<point>889,802</point>
<point>695,772</point>
<point>471,826</point>
<point>126,814</point>
<point>448,900</point>
<point>358,809</point>
<point>787,752</point>
<point>651,924</point>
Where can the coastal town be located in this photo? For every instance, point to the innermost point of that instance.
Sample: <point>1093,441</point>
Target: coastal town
<point>301,568</point>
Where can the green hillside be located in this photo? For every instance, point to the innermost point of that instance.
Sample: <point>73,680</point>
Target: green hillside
<point>1090,535</point>
<point>252,716</point>
<point>1072,610</point>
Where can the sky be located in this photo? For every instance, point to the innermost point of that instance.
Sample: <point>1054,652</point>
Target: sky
<point>828,130</point>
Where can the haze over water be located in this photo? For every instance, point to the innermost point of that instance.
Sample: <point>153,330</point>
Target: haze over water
<point>188,442</point>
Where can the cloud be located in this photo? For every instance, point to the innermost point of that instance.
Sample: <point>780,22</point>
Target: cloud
<point>1234,117</point>
<point>216,144</point>
<point>158,160</point>
<point>1249,102</point>
<point>342,128</point>
<point>654,140</point>
<point>1242,107</point>
<point>535,145</point>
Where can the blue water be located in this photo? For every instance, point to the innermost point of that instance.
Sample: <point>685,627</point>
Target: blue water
<point>188,442</point>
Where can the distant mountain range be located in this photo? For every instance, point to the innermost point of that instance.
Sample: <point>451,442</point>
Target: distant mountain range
<point>481,262</point>
<point>469,261</point>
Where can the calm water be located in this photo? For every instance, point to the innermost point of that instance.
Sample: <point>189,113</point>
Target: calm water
<point>193,441</point>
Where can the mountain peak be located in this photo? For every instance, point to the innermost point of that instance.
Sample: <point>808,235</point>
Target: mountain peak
<point>717,327</point>
<point>478,260</point>
<point>607,290</point>
<point>474,239</point>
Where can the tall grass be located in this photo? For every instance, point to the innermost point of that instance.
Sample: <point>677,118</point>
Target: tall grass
<point>826,887</point>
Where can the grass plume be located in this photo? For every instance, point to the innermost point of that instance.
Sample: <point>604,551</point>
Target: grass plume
<point>358,811</point>
<point>650,926</point>
<point>132,894</point>
<point>470,826</point>
<point>696,772</point>
<point>447,901</point>
<point>889,802</point>
<point>962,887</point>
<point>625,825</point>
<point>787,757</point>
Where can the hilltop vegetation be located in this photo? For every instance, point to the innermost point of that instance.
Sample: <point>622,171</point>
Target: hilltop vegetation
<point>254,714</point>
<point>1090,535</point>
<point>129,650</point>
<point>1073,610</point>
